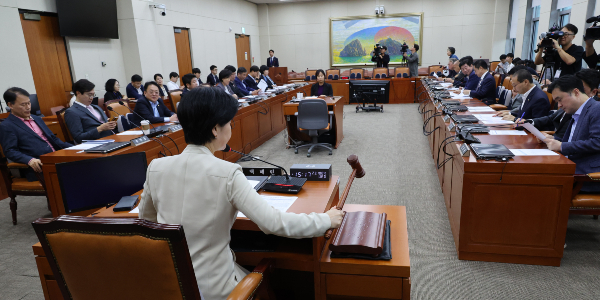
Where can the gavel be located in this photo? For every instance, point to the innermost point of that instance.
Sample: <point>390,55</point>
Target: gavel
<point>357,172</point>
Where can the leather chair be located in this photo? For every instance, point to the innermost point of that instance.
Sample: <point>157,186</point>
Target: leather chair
<point>54,109</point>
<point>311,74</point>
<point>333,74</point>
<point>19,186</point>
<point>120,258</point>
<point>358,73</point>
<point>400,71</point>
<point>60,116</point>
<point>507,84</point>
<point>550,99</point>
<point>380,72</point>
<point>102,105</point>
<point>435,68</point>
<point>493,65</point>
<point>117,108</point>
<point>314,118</point>
<point>585,204</point>
<point>175,96</point>
<point>497,78</point>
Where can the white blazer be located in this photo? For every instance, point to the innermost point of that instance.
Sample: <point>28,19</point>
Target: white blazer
<point>204,193</point>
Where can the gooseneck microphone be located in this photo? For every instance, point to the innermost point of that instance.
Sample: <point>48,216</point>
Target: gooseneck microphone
<point>112,109</point>
<point>133,111</point>
<point>227,149</point>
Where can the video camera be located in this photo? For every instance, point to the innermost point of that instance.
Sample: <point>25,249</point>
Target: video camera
<point>377,49</point>
<point>593,33</point>
<point>547,37</point>
<point>404,48</point>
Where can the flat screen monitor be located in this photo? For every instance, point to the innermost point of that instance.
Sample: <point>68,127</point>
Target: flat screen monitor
<point>97,182</point>
<point>371,89</point>
<point>88,18</point>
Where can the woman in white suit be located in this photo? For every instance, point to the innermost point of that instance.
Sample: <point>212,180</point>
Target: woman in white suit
<point>204,194</point>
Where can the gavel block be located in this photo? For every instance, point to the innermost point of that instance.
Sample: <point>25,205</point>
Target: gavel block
<point>361,232</point>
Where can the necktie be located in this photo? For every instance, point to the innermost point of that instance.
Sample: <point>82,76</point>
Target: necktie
<point>96,114</point>
<point>155,109</point>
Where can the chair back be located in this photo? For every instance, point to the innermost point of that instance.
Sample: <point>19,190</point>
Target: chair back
<point>497,78</point>
<point>117,258</point>
<point>313,114</point>
<point>399,71</point>
<point>311,73</point>
<point>109,102</point>
<point>175,98</point>
<point>380,72</point>
<point>550,99</point>
<point>493,65</point>
<point>118,109</point>
<point>435,68</point>
<point>60,116</point>
<point>358,73</point>
<point>352,75</point>
<point>507,83</point>
<point>55,109</point>
<point>333,73</point>
<point>102,105</point>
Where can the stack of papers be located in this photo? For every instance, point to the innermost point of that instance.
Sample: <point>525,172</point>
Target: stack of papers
<point>131,132</point>
<point>490,119</point>
<point>480,109</point>
<point>280,203</point>
<point>507,132</point>
<point>89,144</point>
<point>532,152</point>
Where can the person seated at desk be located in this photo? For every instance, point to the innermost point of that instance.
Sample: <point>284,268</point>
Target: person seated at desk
<point>214,192</point>
<point>232,83</point>
<point>135,90</point>
<point>190,81</point>
<point>152,108</point>
<point>470,79</point>
<point>85,120</point>
<point>197,73</point>
<point>239,82</point>
<point>321,88</point>
<point>213,77</point>
<point>112,91</point>
<point>224,78</point>
<point>264,75</point>
<point>486,88</point>
<point>535,101</point>
<point>581,142</point>
<point>504,66</point>
<point>251,79</point>
<point>25,137</point>
<point>455,76</point>
<point>172,84</point>
<point>162,89</point>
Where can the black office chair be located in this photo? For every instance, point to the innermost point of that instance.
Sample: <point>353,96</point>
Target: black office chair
<point>313,116</point>
<point>35,105</point>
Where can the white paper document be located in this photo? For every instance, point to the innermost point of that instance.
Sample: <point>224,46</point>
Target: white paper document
<point>499,121</point>
<point>262,85</point>
<point>532,152</point>
<point>131,132</point>
<point>534,131</point>
<point>84,146</point>
<point>507,132</point>
<point>280,203</point>
<point>480,109</point>
<point>135,210</point>
<point>253,183</point>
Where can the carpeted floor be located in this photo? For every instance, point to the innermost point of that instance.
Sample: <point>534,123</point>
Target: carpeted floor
<point>399,171</point>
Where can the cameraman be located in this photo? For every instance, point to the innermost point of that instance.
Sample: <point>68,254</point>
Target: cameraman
<point>413,61</point>
<point>568,58</point>
<point>382,59</point>
<point>591,58</point>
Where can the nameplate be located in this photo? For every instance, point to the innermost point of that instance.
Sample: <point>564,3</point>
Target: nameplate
<point>446,118</point>
<point>175,128</point>
<point>464,150</point>
<point>452,126</point>
<point>140,140</point>
<point>439,106</point>
<point>262,171</point>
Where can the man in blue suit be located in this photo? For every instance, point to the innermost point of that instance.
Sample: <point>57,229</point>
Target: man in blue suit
<point>85,120</point>
<point>535,101</point>
<point>213,77</point>
<point>272,61</point>
<point>25,137</point>
<point>486,88</point>
<point>135,89</point>
<point>581,142</point>
<point>250,80</point>
<point>152,108</point>
<point>466,67</point>
<point>239,82</point>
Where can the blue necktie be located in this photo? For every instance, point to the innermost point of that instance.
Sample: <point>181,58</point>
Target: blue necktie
<point>155,109</point>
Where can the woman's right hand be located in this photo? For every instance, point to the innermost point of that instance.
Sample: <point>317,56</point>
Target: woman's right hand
<point>336,216</point>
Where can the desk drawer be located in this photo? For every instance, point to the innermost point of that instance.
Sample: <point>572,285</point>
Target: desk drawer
<point>364,286</point>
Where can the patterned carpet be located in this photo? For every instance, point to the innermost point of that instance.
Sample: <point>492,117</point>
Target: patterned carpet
<point>399,171</point>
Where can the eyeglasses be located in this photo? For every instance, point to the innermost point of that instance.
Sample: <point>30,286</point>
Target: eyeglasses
<point>91,95</point>
<point>153,92</point>
<point>565,34</point>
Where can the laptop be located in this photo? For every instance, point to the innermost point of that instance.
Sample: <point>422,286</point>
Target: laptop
<point>491,151</point>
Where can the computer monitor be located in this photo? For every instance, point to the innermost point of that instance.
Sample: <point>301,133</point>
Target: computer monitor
<point>379,89</point>
<point>97,182</point>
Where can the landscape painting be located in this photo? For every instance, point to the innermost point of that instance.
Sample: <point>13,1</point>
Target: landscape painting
<point>353,38</point>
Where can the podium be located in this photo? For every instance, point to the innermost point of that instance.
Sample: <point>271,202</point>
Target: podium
<point>279,75</point>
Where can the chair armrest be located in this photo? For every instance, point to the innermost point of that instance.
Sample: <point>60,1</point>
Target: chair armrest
<point>17,166</point>
<point>250,284</point>
<point>498,107</point>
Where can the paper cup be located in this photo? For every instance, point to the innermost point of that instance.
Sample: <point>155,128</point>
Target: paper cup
<point>299,96</point>
<point>145,124</point>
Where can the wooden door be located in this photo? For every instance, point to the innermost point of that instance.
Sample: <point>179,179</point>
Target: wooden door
<point>184,56</point>
<point>242,46</point>
<point>49,62</point>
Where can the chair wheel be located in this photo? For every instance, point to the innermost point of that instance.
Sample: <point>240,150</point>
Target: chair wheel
<point>296,151</point>
<point>330,153</point>
<point>308,155</point>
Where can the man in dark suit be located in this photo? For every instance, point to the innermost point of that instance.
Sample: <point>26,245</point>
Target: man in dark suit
<point>213,77</point>
<point>535,101</point>
<point>272,61</point>
<point>557,122</point>
<point>232,83</point>
<point>197,73</point>
<point>25,137</point>
<point>135,89</point>
<point>466,67</point>
<point>581,142</point>
<point>190,81</point>
<point>85,120</point>
<point>250,80</point>
<point>239,82</point>
<point>486,88</point>
<point>152,108</point>
<point>383,59</point>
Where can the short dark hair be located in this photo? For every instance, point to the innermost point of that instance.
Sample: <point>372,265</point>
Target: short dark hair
<point>149,83</point>
<point>263,68</point>
<point>136,78</point>
<point>572,28</point>
<point>566,84</point>
<point>10,95</point>
<point>523,75</point>
<point>156,75</point>
<point>480,63</point>
<point>241,70</point>
<point>516,68</point>
<point>510,55</point>
<point>320,71</point>
<point>230,68</point>
<point>82,86</point>
<point>467,60</point>
<point>591,77</point>
<point>503,56</point>
<point>201,110</point>
<point>271,51</point>
<point>254,69</point>
<point>173,74</point>
<point>109,86</point>
<point>196,70</point>
<point>187,79</point>
<point>518,61</point>
<point>384,47</point>
<point>225,73</point>
<point>452,50</point>
<point>213,67</point>
<point>416,47</point>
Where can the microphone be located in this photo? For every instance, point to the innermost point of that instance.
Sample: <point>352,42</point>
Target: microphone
<point>227,149</point>
<point>133,111</point>
<point>593,19</point>
<point>111,109</point>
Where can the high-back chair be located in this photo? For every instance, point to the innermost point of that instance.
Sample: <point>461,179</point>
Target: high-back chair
<point>54,109</point>
<point>401,72</point>
<point>585,203</point>
<point>358,73</point>
<point>175,98</point>
<point>497,78</point>
<point>435,69</point>
<point>122,258</point>
<point>332,74</point>
<point>380,73</point>
<point>314,119</point>
<point>60,116</point>
<point>493,65</point>
<point>117,109</point>
<point>506,83</point>
<point>310,75</point>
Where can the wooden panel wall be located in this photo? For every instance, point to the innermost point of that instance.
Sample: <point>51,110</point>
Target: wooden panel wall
<point>184,57</point>
<point>49,62</point>
<point>242,46</point>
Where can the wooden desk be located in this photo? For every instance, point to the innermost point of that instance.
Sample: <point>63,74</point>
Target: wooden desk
<point>291,254</point>
<point>334,104</point>
<point>402,90</point>
<point>519,219</point>
<point>377,279</point>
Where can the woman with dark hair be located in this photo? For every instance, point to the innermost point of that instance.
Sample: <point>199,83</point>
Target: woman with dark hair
<point>162,89</point>
<point>225,78</point>
<point>112,90</point>
<point>321,88</point>
<point>210,192</point>
<point>264,75</point>
<point>451,52</point>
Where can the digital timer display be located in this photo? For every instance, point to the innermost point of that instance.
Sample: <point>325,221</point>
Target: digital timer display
<point>313,172</point>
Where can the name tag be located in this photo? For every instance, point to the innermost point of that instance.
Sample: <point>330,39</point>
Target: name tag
<point>557,74</point>
<point>446,118</point>
<point>464,150</point>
